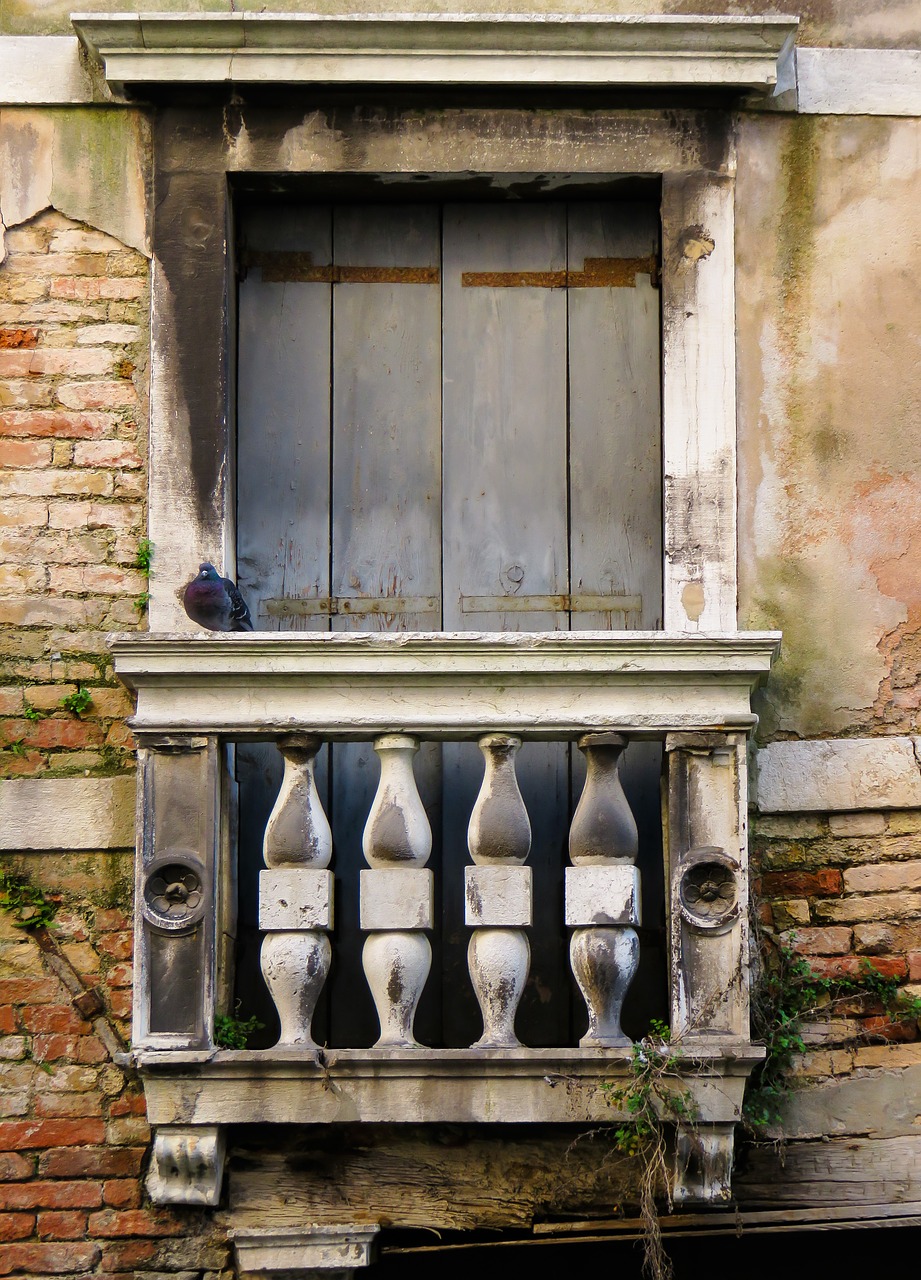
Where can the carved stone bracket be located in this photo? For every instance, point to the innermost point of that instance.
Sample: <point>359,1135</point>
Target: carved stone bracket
<point>327,1251</point>
<point>187,1165</point>
<point>703,1164</point>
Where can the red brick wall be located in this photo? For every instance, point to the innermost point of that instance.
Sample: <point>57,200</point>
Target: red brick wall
<point>844,892</point>
<point>73,431</point>
<point>73,360</point>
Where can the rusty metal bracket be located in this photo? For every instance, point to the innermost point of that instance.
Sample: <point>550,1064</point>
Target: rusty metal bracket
<point>293,607</point>
<point>562,603</point>
<point>300,268</point>
<point>596,273</point>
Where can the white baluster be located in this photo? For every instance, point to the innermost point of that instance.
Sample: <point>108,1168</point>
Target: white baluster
<point>603,891</point>
<point>397,897</point>
<point>296,894</point>
<point>498,893</point>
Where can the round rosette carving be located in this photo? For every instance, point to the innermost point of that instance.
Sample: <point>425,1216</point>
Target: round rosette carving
<point>708,889</point>
<point>174,894</point>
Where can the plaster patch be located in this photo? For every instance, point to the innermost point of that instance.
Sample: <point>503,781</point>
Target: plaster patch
<point>88,163</point>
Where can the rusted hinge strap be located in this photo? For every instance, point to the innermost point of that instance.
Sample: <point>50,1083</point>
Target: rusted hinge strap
<point>293,607</point>
<point>596,273</point>
<point>562,603</point>
<point>299,268</point>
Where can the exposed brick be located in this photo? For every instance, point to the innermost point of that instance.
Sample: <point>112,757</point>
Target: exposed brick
<point>96,395</point>
<point>94,515</point>
<point>120,946</point>
<point>70,1078</point>
<point>24,453</point>
<point>127,1131</point>
<point>11,339</point>
<point>47,1259</point>
<point>67,1104</point>
<point>855,966</point>
<point>914,966</point>
<point>119,335</point>
<point>12,1048</point>
<point>14,1168</point>
<point>122,1193</point>
<point>112,1224</point>
<point>23,514</point>
<point>50,612</point>
<point>132,1104</point>
<point>802,884</point>
<point>32,991</point>
<point>54,422</point>
<point>87,362</point>
<point>24,1135</point>
<point>887,1028</point>
<point>52,1195</point>
<point>16,1226</point>
<point>108,920</point>
<point>105,453</point>
<point>85,1049</point>
<point>120,1003</point>
<point>69,1224</point>
<point>100,579</point>
<point>8,1024</point>
<point>889,1056</point>
<point>125,1255</point>
<point>94,1162</point>
<point>883,877</point>
<point>56,482</point>
<point>89,288</point>
<point>77,241</point>
<point>53,732</point>
<point>875,907</point>
<point>54,1017</point>
<point>120,975</point>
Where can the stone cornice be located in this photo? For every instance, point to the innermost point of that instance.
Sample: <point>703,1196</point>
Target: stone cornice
<point>447,49</point>
<point>443,685</point>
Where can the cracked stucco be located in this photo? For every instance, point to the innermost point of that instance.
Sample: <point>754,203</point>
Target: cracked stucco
<point>91,164</point>
<point>828,254</point>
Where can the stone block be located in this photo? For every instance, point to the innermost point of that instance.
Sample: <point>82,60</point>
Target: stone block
<point>397,898</point>
<point>602,896</point>
<point>838,774</point>
<point>499,896</point>
<point>857,824</point>
<point>293,898</point>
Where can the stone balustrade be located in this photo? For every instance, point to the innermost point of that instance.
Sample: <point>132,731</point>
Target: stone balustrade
<point>199,696</point>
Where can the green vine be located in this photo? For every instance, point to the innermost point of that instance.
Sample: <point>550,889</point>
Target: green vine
<point>654,1099</point>
<point>32,713</point>
<point>789,994</point>
<point>25,902</point>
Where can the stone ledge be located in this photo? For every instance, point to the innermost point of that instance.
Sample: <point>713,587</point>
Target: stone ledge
<point>67,813</point>
<point>438,49</point>
<point>839,775</point>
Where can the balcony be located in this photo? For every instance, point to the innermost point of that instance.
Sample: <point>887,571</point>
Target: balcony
<point>199,696</point>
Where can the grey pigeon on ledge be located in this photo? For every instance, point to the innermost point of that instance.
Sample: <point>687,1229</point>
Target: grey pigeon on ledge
<point>214,602</point>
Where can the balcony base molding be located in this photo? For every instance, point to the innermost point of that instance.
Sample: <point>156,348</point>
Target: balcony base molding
<point>292,1252</point>
<point>443,1086</point>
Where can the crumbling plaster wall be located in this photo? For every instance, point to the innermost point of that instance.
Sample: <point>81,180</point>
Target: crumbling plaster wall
<point>90,163</point>
<point>829,363</point>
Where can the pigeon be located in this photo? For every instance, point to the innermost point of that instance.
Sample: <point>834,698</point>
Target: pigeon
<point>214,602</point>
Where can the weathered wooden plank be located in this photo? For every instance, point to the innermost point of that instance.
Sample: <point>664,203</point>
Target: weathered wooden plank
<point>283,421</point>
<point>386,520</point>
<point>505,533</point>
<point>400,1176</point>
<point>841,1171</point>
<point>615,421</point>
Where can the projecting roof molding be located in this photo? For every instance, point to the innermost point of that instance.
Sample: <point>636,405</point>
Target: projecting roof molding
<point>437,49</point>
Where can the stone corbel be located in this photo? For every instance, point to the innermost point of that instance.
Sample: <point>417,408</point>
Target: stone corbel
<point>187,1165</point>
<point>703,1165</point>
<point>326,1251</point>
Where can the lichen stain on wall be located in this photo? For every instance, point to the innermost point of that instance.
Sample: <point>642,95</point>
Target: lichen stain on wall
<point>91,164</point>
<point>829,252</point>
